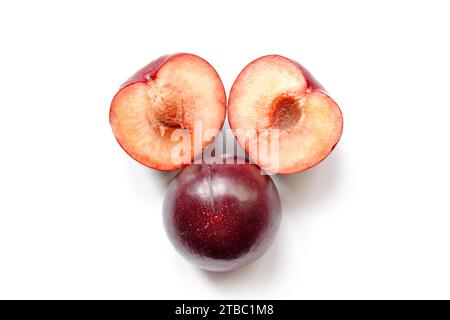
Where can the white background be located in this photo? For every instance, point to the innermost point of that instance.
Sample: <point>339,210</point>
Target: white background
<point>80,219</point>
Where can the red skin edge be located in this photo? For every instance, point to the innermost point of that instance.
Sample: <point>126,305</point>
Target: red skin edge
<point>148,72</point>
<point>314,85</point>
<point>311,85</point>
<point>144,75</point>
<point>311,82</point>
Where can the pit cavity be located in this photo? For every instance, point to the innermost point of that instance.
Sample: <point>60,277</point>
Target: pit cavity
<point>165,107</point>
<point>286,112</point>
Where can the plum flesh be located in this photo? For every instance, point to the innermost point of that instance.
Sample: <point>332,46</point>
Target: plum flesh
<point>222,216</point>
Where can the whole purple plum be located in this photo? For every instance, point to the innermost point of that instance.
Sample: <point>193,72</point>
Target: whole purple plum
<point>222,216</point>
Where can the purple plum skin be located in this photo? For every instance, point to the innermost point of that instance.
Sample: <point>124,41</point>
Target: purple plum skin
<point>222,216</point>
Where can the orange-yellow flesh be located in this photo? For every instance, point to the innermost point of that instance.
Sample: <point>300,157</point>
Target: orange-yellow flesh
<point>314,135</point>
<point>144,116</point>
<point>258,85</point>
<point>271,94</point>
<point>302,144</point>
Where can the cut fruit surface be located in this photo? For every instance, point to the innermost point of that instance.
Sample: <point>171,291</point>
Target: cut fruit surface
<point>282,116</point>
<point>177,99</point>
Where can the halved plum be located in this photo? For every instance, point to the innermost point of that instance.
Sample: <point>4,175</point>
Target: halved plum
<point>172,99</point>
<point>276,102</point>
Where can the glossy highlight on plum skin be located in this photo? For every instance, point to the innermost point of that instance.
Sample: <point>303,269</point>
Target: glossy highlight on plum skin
<point>222,216</point>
